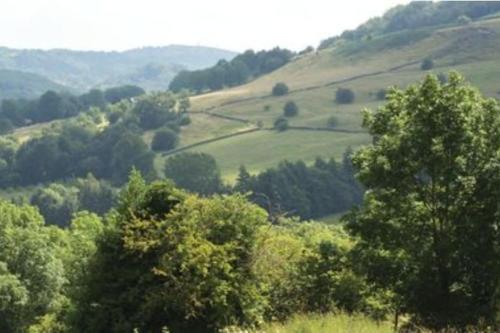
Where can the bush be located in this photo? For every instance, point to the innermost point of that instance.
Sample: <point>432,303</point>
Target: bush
<point>427,64</point>
<point>344,96</point>
<point>164,139</point>
<point>280,89</point>
<point>281,124</point>
<point>267,108</point>
<point>443,78</point>
<point>195,172</point>
<point>291,109</point>
<point>333,122</point>
<point>184,120</point>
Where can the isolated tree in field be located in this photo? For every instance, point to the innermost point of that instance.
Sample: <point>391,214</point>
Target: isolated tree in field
<point>280,89</point>
<point>427,64</point>
<point>429,227</point>
<point>290,109</point>
<point>344,96</point>
<point>165,139</point>
<point>195,172</point>
<point>281,124</point>
<point>333,122</point>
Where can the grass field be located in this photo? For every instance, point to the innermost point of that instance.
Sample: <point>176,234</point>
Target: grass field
<point>333,323</point>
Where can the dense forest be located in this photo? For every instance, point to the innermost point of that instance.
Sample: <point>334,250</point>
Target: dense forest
<point>239,70</point>
<point>422,245</point>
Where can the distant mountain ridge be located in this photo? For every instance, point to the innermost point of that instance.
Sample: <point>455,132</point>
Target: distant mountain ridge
<point>148,67</point>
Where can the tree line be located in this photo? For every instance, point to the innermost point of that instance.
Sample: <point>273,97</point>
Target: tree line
<point>55,105</point>
<point>77,148</point>
<point>239,70</point>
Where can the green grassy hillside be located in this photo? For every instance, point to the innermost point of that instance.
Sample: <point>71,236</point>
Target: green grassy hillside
<point>363,66</point>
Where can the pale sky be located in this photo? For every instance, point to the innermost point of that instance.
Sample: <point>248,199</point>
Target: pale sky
<point>229,24</point>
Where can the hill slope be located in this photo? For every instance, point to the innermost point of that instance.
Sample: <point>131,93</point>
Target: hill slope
<point>365,66</point>
<point>151,67</point>
<point>16,84</point>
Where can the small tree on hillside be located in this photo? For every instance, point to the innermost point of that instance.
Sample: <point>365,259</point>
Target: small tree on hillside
<point>164,139</point>
<point>281,124</point>
<point>290,109</point>
<point>344,96</point>
<point>333,122</point>
<point>280,89</point>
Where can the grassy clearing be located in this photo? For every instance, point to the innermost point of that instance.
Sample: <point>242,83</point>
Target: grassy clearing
<point>264,149</point>
<point>332,323</point>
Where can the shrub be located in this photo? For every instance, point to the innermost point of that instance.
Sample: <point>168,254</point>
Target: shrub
<point>291,109</point>
<point>164,139</point>
<point>443,78</point>
<point>281,124</point>
<point>280,89</point>
<point>344,96</point>
<point>427,64</point>
<point>267,108</point>
<point>333,122</point>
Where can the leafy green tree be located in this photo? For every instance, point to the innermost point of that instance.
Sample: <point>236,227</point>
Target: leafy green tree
<point>116,94</point>
<point>168,260</point>
<point>290,109</point>
<point>154,111</point>
<point>195,172</point>
<point>333,122</point>
<point>280,89</point>
<point>95,196</point>
<point>31,274</point>
<point>428,229</point>
<point>50,106</point>
<point>57,203</point>
<point>128,153</point>
<point>94,97</point>
<point>164,139</point>
<point>344,96</point>
<point>281,124</point>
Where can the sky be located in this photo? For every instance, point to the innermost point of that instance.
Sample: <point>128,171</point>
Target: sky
<point>228,24</point>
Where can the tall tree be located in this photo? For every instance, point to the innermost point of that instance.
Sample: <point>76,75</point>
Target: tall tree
<point>429,227</point>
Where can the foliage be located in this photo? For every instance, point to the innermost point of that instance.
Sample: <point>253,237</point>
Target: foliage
<point>308,192</point>
<point>429,225</point>
<point>290,109</point>
<point>344,96</point>
<point>176,261</point>
<point>281,124</point>
<point>164,139</point>
<point>235,72</point>
<point>195,172</point>
<point>280,89</point>
<point>57,203</point>
<point>116,94</point>
<point>381,94</point>
<point>31,274</point>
